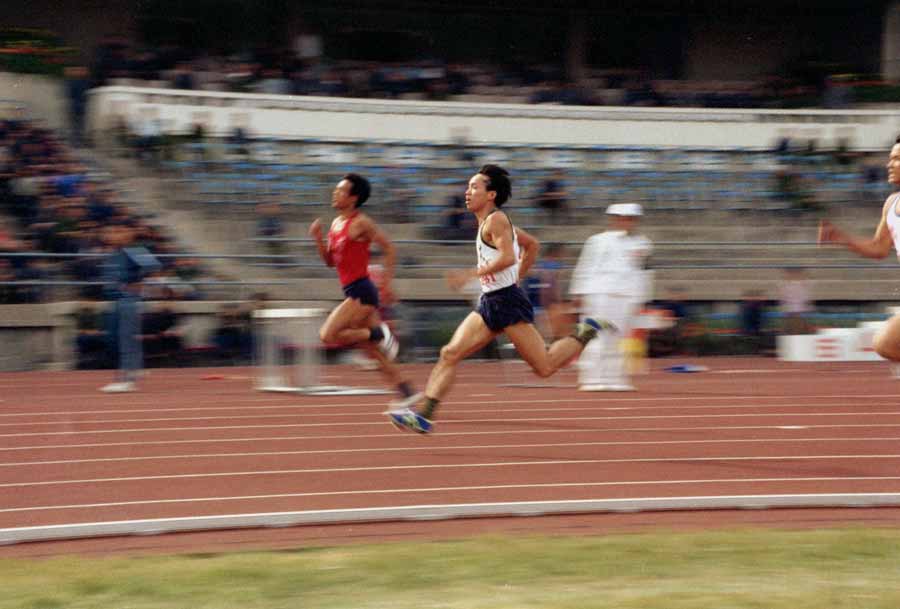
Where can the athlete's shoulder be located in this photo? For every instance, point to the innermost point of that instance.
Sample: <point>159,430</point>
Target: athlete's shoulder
<point>497,220</point>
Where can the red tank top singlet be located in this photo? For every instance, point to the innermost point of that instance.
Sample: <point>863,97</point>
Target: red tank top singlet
<point>351,257</point>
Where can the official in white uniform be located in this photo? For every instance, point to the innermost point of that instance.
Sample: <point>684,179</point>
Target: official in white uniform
<point>610,281</point>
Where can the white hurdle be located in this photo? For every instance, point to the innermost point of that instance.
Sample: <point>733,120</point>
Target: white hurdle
<point>289,353</point>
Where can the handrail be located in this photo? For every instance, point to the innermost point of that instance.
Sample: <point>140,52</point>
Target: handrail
<point>307,240</point>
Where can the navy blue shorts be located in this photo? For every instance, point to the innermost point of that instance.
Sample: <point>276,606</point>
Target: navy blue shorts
<point>362,290</point>
<point>504,307</point>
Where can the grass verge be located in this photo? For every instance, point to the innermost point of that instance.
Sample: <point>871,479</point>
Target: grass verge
<point>740,569</point>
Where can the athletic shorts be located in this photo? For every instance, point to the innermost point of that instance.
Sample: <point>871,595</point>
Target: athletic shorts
<point>362,290</point>
<point>504,307</point>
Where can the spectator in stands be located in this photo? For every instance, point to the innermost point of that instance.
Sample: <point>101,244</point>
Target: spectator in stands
<point>553,197</point>
<point>8,293</point>
<point>239,141</point>
<point>270,227</point>
<point>457,223</point>
<point>401,194</point>
<point>148,136</point>
<point>58,207</point>
<point>669,340</point>
<point>183,77</point>
<point>273,83</point>
<point>544,288</point>
<point>752,319</point>
<point>77,85</point>
<point>31,270</point>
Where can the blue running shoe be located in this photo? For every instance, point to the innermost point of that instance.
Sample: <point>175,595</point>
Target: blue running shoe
<point>587,330</point>
<point>408,419</point>
<point>601,325</point>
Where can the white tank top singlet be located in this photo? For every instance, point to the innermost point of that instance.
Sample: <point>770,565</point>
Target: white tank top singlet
<point>893,221</point>
<point>487,254</point>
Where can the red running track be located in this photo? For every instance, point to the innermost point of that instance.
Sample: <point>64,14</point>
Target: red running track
<point>188,445</point>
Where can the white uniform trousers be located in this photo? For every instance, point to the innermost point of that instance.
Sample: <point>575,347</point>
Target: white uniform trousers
<point>603,362</point>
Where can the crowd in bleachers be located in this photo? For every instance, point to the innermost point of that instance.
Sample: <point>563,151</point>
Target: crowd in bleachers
<point>53,203</point>
<point>284,73</point>
<point>552,186</point>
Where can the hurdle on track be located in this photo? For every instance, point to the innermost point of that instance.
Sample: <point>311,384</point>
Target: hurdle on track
<point>289,354</point>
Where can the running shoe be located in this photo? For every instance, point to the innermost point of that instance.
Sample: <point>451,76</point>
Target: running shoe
<point>587,330</point>
<point>408,419</point>
<point>389,345</point>
<point>123,387</point>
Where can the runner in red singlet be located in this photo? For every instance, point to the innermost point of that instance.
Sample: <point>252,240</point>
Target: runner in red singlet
<point>356,320</point>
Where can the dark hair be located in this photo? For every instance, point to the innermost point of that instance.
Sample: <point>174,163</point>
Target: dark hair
<point>498,181</point>
<point>359,187</point>
<point>897,141</point>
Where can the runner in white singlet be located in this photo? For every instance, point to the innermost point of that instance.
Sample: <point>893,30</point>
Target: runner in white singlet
<point>887,340</point>
<point>503,308</point>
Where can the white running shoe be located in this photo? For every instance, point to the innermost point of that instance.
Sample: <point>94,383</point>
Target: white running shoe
<point>123,387</point>
<point>389,345</point>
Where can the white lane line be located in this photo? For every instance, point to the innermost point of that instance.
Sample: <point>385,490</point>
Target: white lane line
<point>314,415</point>
<point>74,432</point>
<point>443,489</point>
<point>444,434</point>
<point>865,398</point>
<point>554,462</point>
<point>430,448</point>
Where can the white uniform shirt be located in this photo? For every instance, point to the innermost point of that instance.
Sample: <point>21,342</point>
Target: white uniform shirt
<point>893,222</point>
<point>613,262</point>
<point>486,255</point>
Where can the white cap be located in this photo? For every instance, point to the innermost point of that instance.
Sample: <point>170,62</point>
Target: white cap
<point>625,209</point>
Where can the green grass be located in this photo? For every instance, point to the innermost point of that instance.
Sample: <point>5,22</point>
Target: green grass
<point>745,569</point>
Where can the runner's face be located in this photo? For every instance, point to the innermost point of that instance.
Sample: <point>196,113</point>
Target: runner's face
<point>341,198</point>
<point>893,165</point>
<point>477,194</point>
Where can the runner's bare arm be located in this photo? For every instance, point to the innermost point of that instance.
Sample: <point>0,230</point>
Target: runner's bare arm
<point>529,247</point>
<point>879,246</point>
<point>380,239</point>
<point>315,231</point>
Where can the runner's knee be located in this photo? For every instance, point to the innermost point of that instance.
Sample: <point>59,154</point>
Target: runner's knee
<point>542,369</point>
<point>327,335</point>
<point>450,354</point>
<point>886,348</point>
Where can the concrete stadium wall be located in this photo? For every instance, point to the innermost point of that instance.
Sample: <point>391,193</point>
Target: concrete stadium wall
<point>42,97</point>
<point>42,336</point>
<point>289,117</point>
